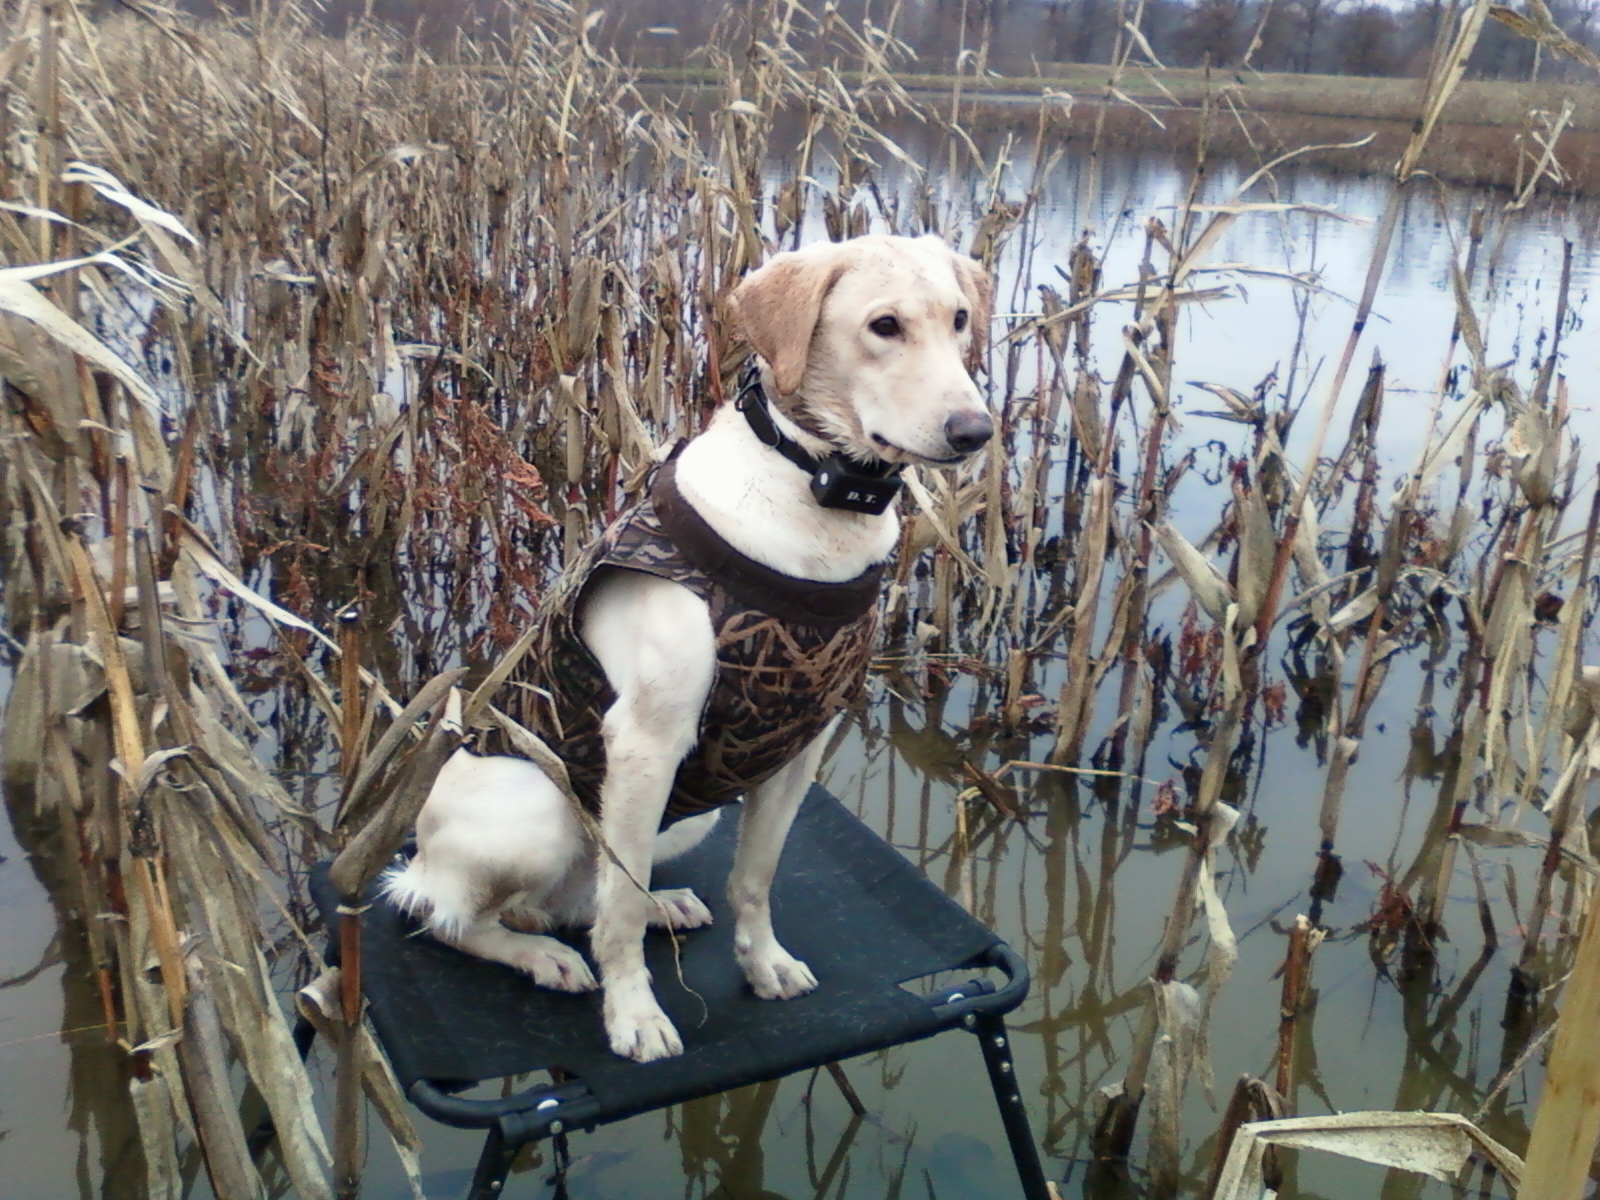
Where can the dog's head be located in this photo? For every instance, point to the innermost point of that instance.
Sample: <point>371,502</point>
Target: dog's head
<point>869,343</point>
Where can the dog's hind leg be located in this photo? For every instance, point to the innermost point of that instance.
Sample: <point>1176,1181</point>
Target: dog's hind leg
<point>459,915</point>
<point>552,964</point>
<point>572,904</point>
<point>680,908</point>
<point>523,915</point>
<point>769,811</point>
<point>677,908</point>
<point>495,833</point>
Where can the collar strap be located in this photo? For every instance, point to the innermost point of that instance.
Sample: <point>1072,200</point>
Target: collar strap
<point>836,481</point>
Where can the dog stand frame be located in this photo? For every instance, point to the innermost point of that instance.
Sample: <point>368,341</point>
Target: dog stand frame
<point>844,901</point>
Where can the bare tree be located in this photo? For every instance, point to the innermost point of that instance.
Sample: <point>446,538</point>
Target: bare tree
<point>1367,41</point>
<point>1213,33</point>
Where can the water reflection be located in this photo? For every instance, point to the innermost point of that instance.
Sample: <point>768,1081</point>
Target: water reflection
<point>71,1045</point>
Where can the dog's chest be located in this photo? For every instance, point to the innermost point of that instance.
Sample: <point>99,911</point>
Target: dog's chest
<point>790,655</point>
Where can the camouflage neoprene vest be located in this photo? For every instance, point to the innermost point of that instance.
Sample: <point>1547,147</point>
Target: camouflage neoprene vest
<point>791,653</point>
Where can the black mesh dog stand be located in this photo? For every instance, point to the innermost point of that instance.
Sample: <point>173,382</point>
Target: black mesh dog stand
<point>846,903</point>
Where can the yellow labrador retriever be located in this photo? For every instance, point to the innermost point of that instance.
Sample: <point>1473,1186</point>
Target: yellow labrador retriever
<point>700,651</point>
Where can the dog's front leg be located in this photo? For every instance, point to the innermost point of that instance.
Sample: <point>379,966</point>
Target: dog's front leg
<point>654,640</point>
<point>640,766</point>
<point>769,811</point>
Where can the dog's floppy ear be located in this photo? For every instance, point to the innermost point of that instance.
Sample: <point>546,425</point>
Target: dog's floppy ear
<point>777,308</point>
<point>978,287</point>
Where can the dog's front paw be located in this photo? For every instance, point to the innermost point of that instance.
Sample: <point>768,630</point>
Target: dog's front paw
<point>678,908</point>
<point>643,1034</point>
<point>555,965</point>
<point>774,973</point>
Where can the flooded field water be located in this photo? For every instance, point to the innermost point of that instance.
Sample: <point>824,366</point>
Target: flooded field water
<point>1084,887</point>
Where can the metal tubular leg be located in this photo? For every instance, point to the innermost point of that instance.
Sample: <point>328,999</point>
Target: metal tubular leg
<point>494,1164</point>
<point>991,1031</point>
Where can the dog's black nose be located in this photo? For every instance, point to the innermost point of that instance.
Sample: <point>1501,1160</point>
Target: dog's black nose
<point>967,431</point>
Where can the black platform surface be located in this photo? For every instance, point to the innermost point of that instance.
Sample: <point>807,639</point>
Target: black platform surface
<point>845,902</point>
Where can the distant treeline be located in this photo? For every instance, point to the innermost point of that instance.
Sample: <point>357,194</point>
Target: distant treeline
<point>1016,37</point>
<point>1333,37</point>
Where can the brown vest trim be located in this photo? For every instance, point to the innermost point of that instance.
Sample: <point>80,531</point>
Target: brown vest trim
<point>798,601</point>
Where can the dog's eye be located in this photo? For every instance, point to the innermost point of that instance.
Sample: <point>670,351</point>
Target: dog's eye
<point>885,327</point>
<point>961,319</point>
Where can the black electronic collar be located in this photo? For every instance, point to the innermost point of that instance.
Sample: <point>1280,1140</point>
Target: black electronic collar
<point>836,481</point>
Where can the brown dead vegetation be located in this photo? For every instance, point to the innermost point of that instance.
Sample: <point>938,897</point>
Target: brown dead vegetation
<point>304,334</point>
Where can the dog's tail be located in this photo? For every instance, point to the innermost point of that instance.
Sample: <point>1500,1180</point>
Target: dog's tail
<point>417,892</point>
<point>441,900</point>
<point>406,888</point>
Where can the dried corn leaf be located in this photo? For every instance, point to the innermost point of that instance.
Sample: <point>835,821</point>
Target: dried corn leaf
<point>111,188</point>
<point>152,1110</point>
<point>22,731</point>
<point>941,527</point>
<point>403,726</point>
<point>1180,1019</point>
<point>380,837</point>
<point>1240,208</point>
<point>1132,103</point>
<point>1435,1144</point>
<point>19,297</point>
<point>203,653</point>
<point>139,781</point>
<point>1223,952</point>
<point>1258,552</point>
<point>1206,584</point>
<point>242,991</point>
<point>1567,1125</point>
<point>1240,407</point>
<point>1539,25</point>
<point>1359,609</point>
<point>41,370</point>
<point>205,1069</point>
<point>1308,560</point>
<point>243,770</point>
<point>1087,422</point>
<point>1584,706</point>
<point>1530,443</point>
<point>532,747</point>
<point>1447,449</point>
<point>1232,644</point>
<point>582,325</point>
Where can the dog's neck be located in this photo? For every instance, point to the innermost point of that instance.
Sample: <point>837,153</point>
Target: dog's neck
<point>763,506</point>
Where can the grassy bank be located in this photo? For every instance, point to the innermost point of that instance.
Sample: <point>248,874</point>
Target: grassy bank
<point>1467,154</point>
<point>1357,97</point>
<point>1487,102</point>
